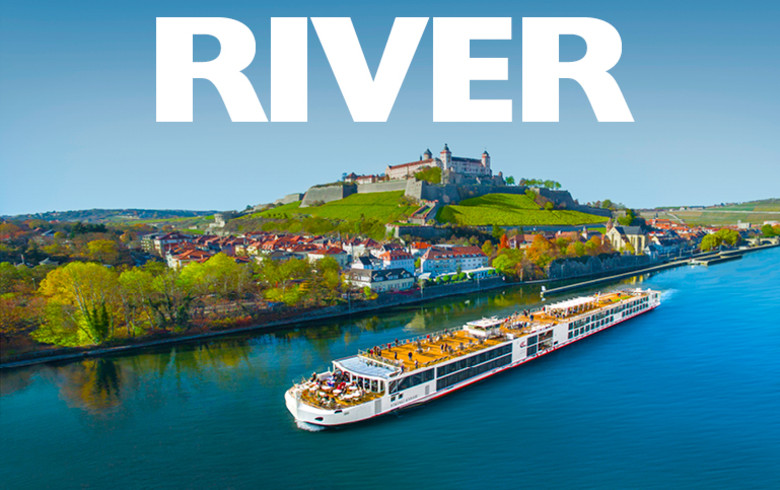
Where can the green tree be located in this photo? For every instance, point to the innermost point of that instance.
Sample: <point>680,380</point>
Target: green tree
<point>220,276</point>
<point>103,251</point>
<point>429,174</point>
<point>488,248</point>
<point>510,180</point>
<point>172,297</point>
<point>709,242</point>
<point>287,281</point>
<point>136,292</point>
<point>83,292</point>
<point>508,260</point>
<point>575,249</point>
<point>628,219</point>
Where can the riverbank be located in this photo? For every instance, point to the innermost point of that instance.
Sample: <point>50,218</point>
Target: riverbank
<point>334,312</point>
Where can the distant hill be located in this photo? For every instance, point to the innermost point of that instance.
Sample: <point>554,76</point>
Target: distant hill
<point>113,215</point>
<point>753,212</point>
<point>772,204</point>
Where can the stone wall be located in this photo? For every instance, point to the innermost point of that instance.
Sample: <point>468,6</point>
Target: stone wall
<point>423,191</point>
<point>289,198</point>
<point>601,264</point>
<point>391,185</point>
<point>426,232</point>
<point>563,200</point>
<point>327,193</point>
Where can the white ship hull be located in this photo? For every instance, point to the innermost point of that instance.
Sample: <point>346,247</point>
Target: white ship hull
<point>518,351</point>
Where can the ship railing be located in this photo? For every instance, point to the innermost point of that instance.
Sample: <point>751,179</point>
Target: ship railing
<point>392,364</point>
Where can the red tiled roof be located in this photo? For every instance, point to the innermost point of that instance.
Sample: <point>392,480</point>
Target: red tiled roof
<point>442,253</point>
<point>395,255</point>
<point>328,251</point>
<point>411,164</point>
<point>420,245</point>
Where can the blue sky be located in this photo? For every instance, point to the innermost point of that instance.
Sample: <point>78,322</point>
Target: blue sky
<point>78,130</point>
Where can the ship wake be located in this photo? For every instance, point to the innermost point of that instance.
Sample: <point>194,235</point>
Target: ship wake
<point>308,427</point>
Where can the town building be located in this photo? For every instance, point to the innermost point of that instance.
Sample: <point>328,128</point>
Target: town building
<point>622,236</point>
<point>359,246</point>
<point>367,262</point>
<point>418,248</point>
<point>160,243</point>
<point>362,179</point>
<point>397,259</point>
<point>439,260</point>
<point>335,253</point>
<point>178,260</point>
<point>381,281</point>
<point>665,244</point>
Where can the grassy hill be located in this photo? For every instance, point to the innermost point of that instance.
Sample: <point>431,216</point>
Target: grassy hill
<point>358,214</point>
<point>383,206</point>
<point>754,206</point>
<point>510,210</point>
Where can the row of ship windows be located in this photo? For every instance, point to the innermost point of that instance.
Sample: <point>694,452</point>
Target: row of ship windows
<point>465,374</point>
<point>579,331</point>
<point>428,375</point>
<point>411,380</point>
<point>575,328</point>
<point>632,307</point>
<point>473,360</point>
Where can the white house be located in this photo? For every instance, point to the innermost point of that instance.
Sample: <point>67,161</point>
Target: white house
<point>440,260</point>
<point>336,253</point>
<point>382,280</point>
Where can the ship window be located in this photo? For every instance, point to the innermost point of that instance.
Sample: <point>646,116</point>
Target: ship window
<point>531,350</point>
<point>442,383</point>
<point>532,339</point>
<point>411,380</point>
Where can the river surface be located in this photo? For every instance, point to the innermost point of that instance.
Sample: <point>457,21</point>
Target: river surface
<point>685,396</point>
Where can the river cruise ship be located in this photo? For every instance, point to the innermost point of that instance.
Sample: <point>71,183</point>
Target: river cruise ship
<point>400,374</point>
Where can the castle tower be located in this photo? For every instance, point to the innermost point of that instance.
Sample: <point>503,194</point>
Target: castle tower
<point>446,157</point>
<point>427,155</point>
<point>485,159</point>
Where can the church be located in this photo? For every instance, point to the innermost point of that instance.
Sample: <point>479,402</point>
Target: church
<point>469,167</point>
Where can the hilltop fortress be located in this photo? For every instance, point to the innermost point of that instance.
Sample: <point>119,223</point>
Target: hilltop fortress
<point>467,167</point>
<point>461,178</point>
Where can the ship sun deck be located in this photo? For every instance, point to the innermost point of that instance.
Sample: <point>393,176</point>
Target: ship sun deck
<point>431,349</point>
<point>562,311</point>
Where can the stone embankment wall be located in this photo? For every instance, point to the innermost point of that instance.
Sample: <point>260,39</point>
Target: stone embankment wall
<point>425,232</point>
<point>444,193</point>
<point>289,198</point>
<point>453,194</point>
<point>390,185</point>
<point>327,193</point>
<point>601,264</point>
<point>563,199</point>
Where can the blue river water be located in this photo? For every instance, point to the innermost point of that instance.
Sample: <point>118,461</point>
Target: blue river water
<point>685,396</point>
